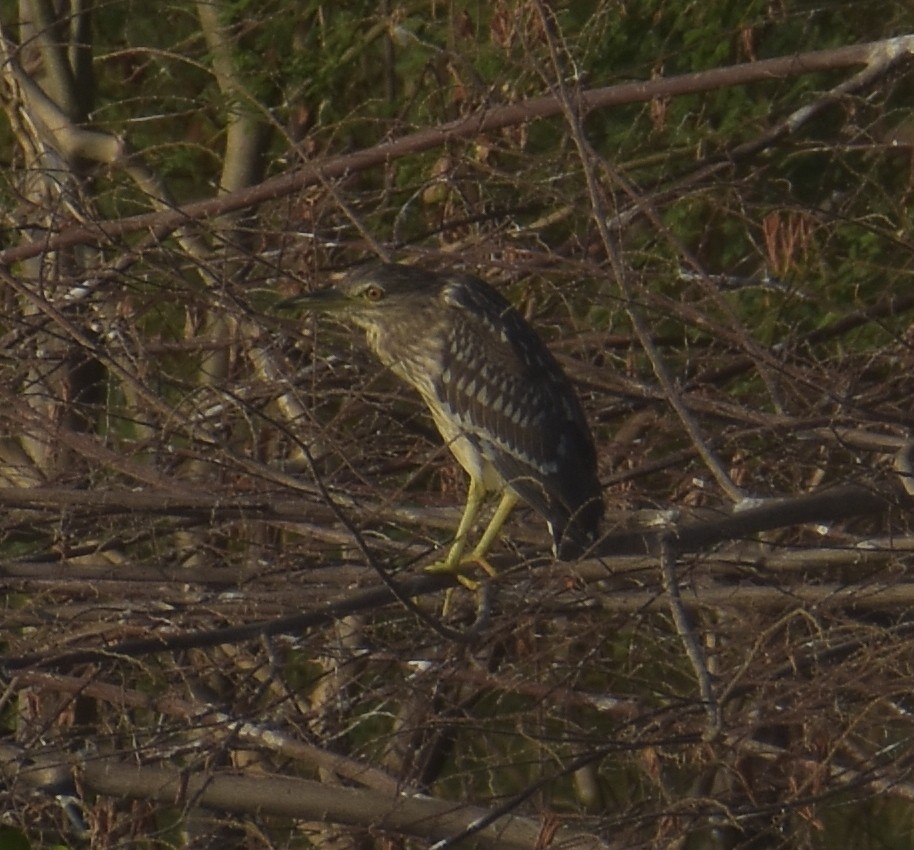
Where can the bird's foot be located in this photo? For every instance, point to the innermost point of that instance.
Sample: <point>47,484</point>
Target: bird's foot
<point>461,567</point>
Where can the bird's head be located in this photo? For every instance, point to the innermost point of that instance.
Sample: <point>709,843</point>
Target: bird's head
<point>373,295</point>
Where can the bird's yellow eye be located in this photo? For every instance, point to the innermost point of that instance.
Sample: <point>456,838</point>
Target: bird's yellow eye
<point>374,293</point>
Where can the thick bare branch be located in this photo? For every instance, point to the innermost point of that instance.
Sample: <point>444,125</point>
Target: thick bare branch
<point>490,119</point>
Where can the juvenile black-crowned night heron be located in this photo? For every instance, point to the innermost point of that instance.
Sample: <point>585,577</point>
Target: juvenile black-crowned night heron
<point>499,398</point>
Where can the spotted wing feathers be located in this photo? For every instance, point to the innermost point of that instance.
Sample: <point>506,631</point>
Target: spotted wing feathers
<point>512,399</point>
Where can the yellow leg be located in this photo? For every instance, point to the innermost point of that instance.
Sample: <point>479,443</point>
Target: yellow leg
<point>455,560</point>
<point>451,564</point>
<point>505,506</point>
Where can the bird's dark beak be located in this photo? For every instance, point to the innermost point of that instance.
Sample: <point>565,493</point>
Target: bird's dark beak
<point>326,299</point>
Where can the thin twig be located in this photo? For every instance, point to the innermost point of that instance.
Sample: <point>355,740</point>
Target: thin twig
<point>686,634</point>
<point>587,157</point>
<point>483,121</point>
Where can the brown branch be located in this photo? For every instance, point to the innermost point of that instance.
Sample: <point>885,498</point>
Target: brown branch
<point>422,817</point>
<point>588,157</point>
<point>262,794</point>
<point>827,596</point>
<point>831,505</point>
<point>265,737</point>
<point>486,120</point>
<point>368,600</point>
<point>686,631</point>
<point>54,122</point>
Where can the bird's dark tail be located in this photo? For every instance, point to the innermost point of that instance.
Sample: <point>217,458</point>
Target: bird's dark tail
<point>576,534</point>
